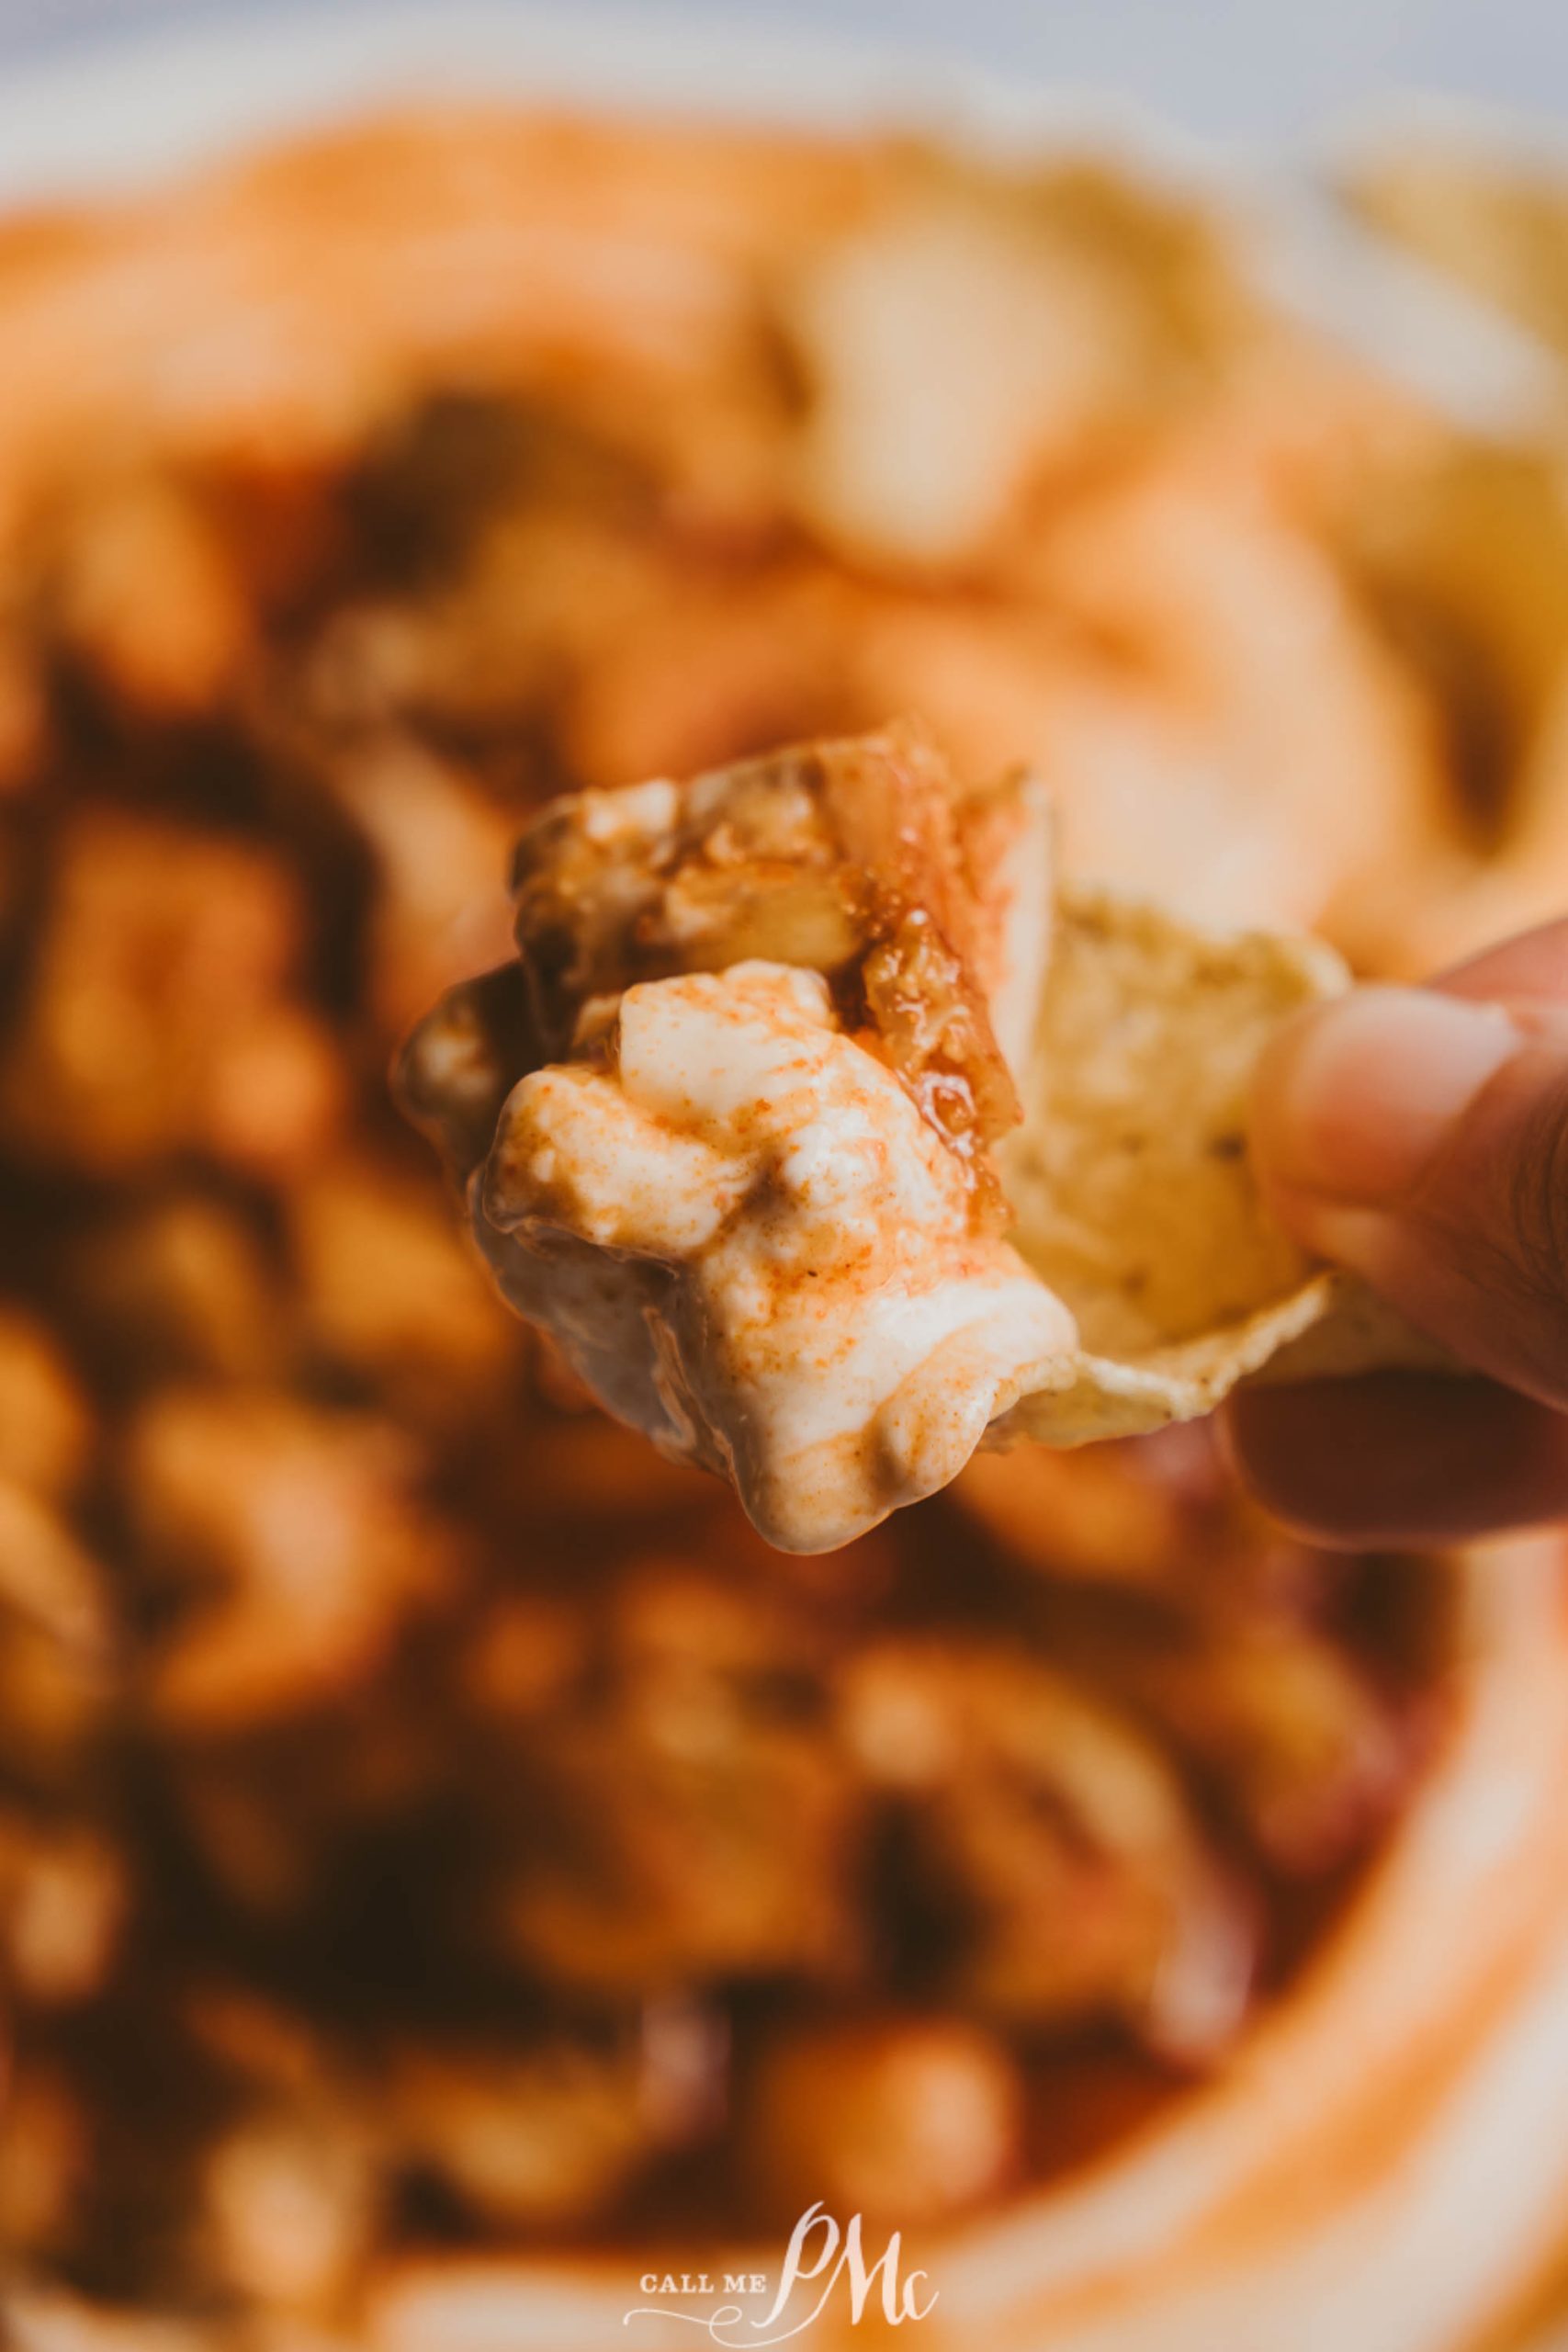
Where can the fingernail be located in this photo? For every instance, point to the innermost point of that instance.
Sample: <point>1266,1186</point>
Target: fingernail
<point>1353,1100</point>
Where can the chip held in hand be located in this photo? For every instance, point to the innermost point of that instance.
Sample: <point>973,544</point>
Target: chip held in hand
<point>830,1136</point>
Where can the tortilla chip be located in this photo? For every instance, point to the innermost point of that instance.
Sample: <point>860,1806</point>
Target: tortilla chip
<point>1133,1194</point>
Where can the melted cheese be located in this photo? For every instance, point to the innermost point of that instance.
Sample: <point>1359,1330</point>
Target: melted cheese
<point>741,1211</point>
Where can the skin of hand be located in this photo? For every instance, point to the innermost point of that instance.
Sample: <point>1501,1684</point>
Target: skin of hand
<point>1420,1136</point>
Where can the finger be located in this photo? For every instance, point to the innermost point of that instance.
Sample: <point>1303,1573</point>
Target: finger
<point>1400,1458</point>
<point>1532,967</point>
<point>1420,1136</point>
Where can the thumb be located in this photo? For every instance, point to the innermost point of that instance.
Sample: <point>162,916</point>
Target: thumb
<point>1421,1138</point>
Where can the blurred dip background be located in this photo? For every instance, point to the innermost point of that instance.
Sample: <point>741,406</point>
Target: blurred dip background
<point>448,1869</point>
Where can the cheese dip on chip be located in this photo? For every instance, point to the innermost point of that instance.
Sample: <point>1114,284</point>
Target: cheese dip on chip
<point>841,1140</point>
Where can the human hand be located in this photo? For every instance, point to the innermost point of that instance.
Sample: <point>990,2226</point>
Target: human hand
<point>1420,1136</point>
